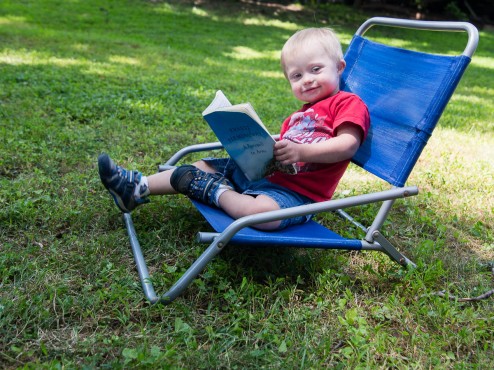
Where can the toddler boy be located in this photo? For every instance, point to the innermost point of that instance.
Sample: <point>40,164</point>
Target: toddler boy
<point>320,139</point>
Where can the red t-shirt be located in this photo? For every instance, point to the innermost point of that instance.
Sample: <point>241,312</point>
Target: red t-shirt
<point>316,123</point>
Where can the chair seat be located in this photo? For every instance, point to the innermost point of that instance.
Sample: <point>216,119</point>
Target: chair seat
<point>308,235</point>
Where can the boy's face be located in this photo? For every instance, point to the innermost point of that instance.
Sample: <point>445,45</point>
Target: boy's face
<point>313,75</point>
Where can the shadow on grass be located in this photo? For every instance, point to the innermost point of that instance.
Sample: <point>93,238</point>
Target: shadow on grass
<point>132,79</point>
<point>101,82</point>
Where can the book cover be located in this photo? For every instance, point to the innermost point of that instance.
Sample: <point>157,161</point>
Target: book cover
<point>244,137</point>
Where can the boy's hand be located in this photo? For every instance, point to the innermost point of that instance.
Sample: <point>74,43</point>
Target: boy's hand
<point>339,148</point>
<point>287,152</point>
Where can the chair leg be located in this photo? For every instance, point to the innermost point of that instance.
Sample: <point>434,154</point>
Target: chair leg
<point>182,283</point>
<point>147,285</point>
<point>195,269</point>
<point>391,251</point>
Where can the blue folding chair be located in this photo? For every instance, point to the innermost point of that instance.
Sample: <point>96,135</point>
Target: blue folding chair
<point>406,92</point>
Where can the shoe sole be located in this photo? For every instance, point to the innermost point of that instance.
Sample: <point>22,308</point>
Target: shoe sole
<point>118,201</point>
<point>104,170</point>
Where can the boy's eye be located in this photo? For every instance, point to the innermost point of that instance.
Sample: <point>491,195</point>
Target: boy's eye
<point>316,69</point>
<point>296,76</point>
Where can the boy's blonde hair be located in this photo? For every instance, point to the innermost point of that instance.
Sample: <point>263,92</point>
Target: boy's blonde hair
<point>324,38</point>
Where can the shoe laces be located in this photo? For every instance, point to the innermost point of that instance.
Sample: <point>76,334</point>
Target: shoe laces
<point>129,176</point>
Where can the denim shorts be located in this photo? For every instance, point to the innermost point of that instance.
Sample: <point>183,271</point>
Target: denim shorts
<point>285,198</point>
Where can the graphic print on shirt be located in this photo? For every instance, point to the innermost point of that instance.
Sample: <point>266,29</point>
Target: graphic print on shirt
<point>308,128</point>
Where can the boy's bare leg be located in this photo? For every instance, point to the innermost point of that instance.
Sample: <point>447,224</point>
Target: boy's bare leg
<point>239,205</point>
<point>236,205</point>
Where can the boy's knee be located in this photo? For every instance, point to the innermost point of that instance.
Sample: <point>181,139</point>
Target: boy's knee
<point>202,165</point>
<point>261,203</point>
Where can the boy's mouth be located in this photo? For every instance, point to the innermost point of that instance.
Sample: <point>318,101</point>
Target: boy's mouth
<point>310,89</point>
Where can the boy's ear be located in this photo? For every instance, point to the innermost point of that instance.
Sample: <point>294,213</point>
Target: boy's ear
<point>341,66</point>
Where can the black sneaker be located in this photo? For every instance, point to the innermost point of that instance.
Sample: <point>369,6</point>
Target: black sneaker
<point>197,184</point>
<point>121,183</point>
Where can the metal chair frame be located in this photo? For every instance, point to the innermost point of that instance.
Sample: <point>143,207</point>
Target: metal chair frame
<point>373,240</point>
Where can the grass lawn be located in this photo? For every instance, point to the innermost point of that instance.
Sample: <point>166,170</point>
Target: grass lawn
<point>131,78</point>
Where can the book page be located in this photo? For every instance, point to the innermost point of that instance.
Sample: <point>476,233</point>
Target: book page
<point>220,101</point>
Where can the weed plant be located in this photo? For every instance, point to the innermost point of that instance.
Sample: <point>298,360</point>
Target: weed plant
<point>131,78</point>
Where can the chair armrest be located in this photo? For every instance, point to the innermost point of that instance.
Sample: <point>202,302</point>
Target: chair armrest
<point>195,149</point>
<point>330,205</point>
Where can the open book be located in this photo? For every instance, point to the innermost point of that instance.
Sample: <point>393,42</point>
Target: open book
<point>244,137</point>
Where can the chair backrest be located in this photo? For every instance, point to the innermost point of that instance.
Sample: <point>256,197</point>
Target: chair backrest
<point>406,92</point>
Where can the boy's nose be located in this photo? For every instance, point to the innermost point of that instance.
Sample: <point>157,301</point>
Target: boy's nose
<point>308,80</point>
